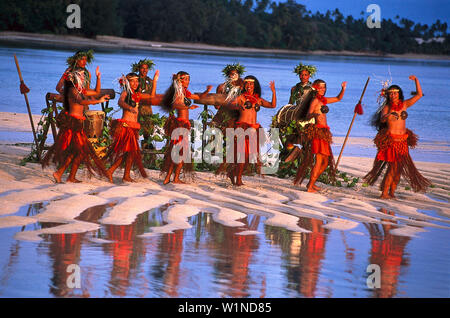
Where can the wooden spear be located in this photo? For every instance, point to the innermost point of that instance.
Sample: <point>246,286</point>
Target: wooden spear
<point>24,90</point>
<point>358,110</point>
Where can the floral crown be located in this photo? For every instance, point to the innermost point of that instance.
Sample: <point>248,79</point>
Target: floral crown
<point>71,61</point>
<point>301,67</point>
<point>135,66</point>
<point>233,67</point>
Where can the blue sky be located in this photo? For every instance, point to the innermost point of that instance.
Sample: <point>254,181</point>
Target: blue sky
<point>419,11</point>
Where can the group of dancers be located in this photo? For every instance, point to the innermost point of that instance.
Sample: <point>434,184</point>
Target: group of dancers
<point>241,101</point>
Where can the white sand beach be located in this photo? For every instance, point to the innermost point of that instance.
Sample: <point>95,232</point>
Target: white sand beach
<point>278,200</point>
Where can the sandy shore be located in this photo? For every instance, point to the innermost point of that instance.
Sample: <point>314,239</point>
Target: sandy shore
<point>278,200</point>
<point>113,42</point>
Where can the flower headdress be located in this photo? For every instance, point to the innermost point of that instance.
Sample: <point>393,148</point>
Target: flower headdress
<point>135,66</point>
<point>124,82</point>
<point>233,67</point>
<point>72,61</point>
<point>310,68</point>
<point>77,79</point>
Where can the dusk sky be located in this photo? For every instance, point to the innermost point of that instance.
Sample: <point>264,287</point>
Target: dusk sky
<point>419,11</point>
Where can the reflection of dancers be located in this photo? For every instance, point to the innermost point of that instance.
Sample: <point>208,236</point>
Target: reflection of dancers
<point>64,250</point>
<point>169,260</point>
<point>127,251</point>
<point>305,250</point>
<point>235,256</point>
<point>387,252</point>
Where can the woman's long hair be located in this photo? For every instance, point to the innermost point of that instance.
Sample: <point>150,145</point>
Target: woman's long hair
<point>168,98</point>
<point>375,120</point>
<point>68,86</point>
<point>257,88</point>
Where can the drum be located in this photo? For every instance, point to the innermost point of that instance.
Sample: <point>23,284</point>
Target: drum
<point>298,112</point>
<point>93,125</point>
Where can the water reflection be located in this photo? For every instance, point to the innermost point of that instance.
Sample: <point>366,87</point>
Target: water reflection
<point>213,260</point>
<point>387,251</point>
<point>303,254</point>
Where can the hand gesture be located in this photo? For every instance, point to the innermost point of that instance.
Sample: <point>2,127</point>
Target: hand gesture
<point>272,86</point>
<point>97,72</point>
<point>104,98</point>
<point>344,85</point>
<point>412,77</point>
<point>156,76</point>
<point>193,107</point>
<point>209,87</point>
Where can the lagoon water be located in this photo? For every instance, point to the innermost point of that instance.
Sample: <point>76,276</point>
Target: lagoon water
<point>213,260</point>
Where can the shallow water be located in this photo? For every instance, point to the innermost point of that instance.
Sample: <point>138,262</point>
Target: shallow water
<point>213,260</point>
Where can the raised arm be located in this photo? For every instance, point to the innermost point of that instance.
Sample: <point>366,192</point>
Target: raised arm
<point>155,81</point>
<point>340,96</point>
<point>415,98</point>
<point>98,86</point>
<point>273,104</point>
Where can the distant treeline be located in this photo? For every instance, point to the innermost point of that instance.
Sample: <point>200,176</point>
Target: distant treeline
<point>246,23</point>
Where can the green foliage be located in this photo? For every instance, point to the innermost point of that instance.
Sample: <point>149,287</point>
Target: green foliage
<point>259,23</point>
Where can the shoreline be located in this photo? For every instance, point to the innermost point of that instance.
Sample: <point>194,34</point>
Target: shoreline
<point>114,43</point>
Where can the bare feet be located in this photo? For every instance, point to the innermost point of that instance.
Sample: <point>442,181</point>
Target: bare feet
<point>311,189</point>
<point>73,180</point>
<point>176,180</point>
<point>57,177</point>
<point>385,196</point>
<point>109,176</point>
<point>316,188</point>
<point>392,196</point>
<point>128,179</point>
<point>239,182</point>
<point>230,175</point>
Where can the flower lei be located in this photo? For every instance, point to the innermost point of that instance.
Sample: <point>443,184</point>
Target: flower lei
<point>398,106</point>
<point>252,98</point>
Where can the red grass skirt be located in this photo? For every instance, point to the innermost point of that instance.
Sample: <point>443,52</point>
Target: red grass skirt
<point>72,140</point>
<point>318,139</point>
<point>171,124</point>
<point>227,167</point>
<point>393,151</point>
<point>125,135</point>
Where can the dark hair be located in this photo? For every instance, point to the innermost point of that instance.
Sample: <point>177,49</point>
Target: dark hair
<point>400,93</point>
<point>319,81</point>
<point>68,85</point>
<point>257,88</point>
<point>375,120</point>
<point>167,100</point>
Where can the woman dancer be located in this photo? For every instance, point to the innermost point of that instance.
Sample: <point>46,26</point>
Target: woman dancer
<point>392,141</point>
<point>248,104</point>
<point>319,137</point>
<point>178,98</point>
<point>125,131</point>
<point>72,146</point>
